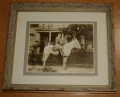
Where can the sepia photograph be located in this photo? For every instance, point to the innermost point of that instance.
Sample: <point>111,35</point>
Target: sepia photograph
<point>60,48</point>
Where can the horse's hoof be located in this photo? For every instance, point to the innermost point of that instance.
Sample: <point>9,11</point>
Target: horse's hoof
<point>64,68</point>
<point>44,67</point>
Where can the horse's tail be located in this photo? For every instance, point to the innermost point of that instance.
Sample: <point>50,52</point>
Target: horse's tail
<point>46,52</point>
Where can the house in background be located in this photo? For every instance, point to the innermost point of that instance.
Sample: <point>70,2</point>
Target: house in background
<point>45,33</point>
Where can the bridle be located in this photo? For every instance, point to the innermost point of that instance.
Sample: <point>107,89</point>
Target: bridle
<point>77,44</point>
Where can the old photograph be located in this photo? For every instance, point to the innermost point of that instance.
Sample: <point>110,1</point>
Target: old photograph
<point>60,47</point>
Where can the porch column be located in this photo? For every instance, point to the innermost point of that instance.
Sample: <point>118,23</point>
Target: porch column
<point>37,36</point>
<point>83,41</point>
<point>62,36</point>
<point>49,38</point>
<point>39,40</point>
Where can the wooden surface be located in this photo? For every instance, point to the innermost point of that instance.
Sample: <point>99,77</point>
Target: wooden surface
<point>4,20</point>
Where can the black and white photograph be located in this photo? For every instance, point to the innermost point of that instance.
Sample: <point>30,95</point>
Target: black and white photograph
<point>55,47</point>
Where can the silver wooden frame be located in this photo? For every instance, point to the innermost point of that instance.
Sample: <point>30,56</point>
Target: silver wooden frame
<point>63,7</point>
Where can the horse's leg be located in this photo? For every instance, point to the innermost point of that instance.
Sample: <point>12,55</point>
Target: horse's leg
<point>64,63</point>
<point>45,58</point>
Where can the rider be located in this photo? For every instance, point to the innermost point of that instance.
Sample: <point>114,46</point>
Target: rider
<point>59,44</point>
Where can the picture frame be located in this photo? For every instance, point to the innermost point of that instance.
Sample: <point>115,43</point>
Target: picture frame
<point>21,17</point>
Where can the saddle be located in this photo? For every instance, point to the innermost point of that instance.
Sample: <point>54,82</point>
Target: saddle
<point>54,49</point>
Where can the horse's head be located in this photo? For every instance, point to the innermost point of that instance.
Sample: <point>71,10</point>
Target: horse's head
<point>77,45</point>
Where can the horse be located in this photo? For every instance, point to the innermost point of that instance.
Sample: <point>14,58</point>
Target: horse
<point>66,49</point>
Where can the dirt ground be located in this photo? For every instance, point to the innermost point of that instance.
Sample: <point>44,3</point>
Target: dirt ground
<point>85,68</point>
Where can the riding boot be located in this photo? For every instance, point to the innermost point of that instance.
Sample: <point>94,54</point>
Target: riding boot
<point>62,53</point>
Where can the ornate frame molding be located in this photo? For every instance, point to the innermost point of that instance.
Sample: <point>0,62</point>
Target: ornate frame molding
<point>16,7</point>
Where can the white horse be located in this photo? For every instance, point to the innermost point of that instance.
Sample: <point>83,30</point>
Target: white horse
<point>66,49</point>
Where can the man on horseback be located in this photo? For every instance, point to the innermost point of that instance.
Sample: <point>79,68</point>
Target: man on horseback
<point>59,45</point>
<point>65,50</point>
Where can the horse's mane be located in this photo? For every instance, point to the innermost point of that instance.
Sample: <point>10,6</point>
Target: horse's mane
<point>67,44</point>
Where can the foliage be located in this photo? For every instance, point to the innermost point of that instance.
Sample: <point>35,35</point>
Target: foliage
<point>34,25</point>
<point>76,30</point>
<point>32,34</point>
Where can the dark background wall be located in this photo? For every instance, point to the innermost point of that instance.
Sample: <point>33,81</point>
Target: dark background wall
<point>4,20</point>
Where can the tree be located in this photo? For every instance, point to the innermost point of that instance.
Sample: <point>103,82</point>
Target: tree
<point>76,30</point>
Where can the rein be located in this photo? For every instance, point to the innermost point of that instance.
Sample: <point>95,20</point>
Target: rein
<point>76,44</point>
